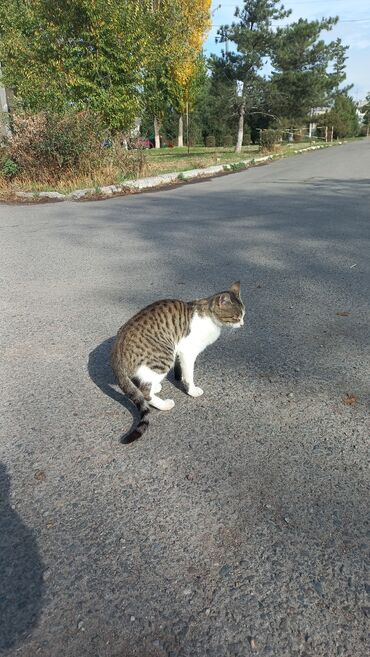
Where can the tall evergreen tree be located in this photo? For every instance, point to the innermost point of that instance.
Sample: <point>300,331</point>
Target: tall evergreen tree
<point>366,110</point>
<point>343,116</point>
<point>308,71</point>
<point>253,37</point>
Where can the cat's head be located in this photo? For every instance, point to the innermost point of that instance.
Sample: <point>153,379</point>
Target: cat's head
<point>228,308</point>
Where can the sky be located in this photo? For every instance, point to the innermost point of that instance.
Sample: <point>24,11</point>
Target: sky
<point>353,28</point>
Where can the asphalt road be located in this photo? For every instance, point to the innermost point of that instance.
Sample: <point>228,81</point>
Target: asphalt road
<point>239,524</point>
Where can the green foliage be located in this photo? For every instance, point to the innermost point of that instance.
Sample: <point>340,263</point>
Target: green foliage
<point>343,117</point>
<point>238,166</point>
<point>247,139</point>
<point>9,168</point>
<point>301,80</point>
<point>254,38</point>
<point>218,107</point>
<point>210,141</point>
<point>268,138</point>
<point>85,54</point>
<point>228,140</point>
<point>366,110</point>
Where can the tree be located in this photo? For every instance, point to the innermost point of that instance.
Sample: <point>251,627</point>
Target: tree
<point>343,116</point>
<point>76,53</point>
<point>301,80</point>
<point>366,110</point>
<point>187,70</point>
<point>254,37</point>
<point>220,108</point>
<point>163,26</point>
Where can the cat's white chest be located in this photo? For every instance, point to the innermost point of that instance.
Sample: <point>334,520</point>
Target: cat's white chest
<point>203,331</point>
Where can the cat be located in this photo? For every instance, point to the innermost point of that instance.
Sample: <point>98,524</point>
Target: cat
<point>169,333</point>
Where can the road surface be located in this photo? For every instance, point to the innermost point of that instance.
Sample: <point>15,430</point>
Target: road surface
<point>239,524</point>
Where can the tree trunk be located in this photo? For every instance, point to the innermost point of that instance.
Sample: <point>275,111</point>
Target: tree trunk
<point>157,141</point>
<point>239,141</point>
<point>180,138</point>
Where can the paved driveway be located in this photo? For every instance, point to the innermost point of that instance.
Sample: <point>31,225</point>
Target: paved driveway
<point>238,525</point>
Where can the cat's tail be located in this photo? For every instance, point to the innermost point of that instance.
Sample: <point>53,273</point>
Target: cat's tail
<point>137,397</point>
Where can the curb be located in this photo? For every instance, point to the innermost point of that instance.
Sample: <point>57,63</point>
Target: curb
<point>151,182</point>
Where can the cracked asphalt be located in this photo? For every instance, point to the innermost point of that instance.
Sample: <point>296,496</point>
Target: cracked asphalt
<point>239,524</point>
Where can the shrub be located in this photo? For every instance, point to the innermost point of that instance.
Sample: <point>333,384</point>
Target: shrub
<point>228,140</point>
<point>47,147</point>
<point>47,144</point>
<point>247,139</point>
<point>131,164</point>
<point>9,168</point>
<point>238,166</point>
<point>210,141</point>
<point>269,138</point>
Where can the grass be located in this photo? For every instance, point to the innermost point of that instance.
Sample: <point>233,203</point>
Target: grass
<point>165,160</point>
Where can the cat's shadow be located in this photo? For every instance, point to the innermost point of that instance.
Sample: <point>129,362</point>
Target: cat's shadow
<point>101,374</point>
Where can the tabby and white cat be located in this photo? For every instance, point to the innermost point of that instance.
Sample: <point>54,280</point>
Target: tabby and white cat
<point>165,334</point>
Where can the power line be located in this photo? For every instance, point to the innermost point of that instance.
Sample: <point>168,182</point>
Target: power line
<point>293,2</point>
<point>350,20</point>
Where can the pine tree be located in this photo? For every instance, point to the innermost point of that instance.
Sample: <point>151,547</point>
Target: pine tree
<point>366,110</point>
<point>301,80</point>
<point>343,116</point>
<point>253,36</point>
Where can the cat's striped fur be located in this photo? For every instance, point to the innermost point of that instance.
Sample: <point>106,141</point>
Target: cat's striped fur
<point>167,333</point>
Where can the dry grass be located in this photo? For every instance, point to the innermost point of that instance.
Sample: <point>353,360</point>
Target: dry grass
<point>69,181</point>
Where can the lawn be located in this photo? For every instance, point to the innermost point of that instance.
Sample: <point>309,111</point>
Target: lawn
<point>166,160</point>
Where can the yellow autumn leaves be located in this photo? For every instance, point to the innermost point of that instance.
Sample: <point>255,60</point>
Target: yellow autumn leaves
<point>196,22</point>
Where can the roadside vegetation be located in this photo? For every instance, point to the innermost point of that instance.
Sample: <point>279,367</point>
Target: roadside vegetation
<point>89,90</point>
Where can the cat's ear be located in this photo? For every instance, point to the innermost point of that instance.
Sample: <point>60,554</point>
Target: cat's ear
<point>235,287</point>
<point>224,299</point>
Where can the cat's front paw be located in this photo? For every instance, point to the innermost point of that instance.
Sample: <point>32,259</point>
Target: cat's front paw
<point>167,404</point>
<point>195,391</point>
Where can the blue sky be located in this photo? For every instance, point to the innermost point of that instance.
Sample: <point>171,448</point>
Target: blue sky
<point>353,28</point>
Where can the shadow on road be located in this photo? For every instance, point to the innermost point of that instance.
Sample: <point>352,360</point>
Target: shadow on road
<point>21,569</point>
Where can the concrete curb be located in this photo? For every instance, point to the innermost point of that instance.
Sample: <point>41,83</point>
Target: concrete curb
<point>164,179</point>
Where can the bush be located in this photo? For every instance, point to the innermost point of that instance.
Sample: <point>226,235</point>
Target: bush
<point>210,141</point>
<point>269,138</point>
<point>228,140</point>
<point>47,147</point>
<point>247,139</point>
<point>9,168</point>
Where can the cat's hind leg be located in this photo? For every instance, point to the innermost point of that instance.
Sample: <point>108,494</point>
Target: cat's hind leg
<point>153,379</point>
